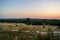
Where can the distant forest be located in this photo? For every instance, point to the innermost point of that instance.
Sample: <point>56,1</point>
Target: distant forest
<point>33,21</point>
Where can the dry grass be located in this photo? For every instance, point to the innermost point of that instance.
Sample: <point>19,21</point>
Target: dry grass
<point>22,26</point>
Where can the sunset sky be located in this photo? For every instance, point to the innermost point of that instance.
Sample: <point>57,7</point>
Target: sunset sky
<point>30,8</point>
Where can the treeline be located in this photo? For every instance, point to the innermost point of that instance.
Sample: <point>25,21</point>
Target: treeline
<point>33,21</point>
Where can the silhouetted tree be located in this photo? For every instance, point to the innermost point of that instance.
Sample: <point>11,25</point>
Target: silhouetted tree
<point>28,21</point>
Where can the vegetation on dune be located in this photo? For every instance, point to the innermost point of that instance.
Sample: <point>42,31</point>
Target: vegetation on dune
<point>21,26</point>
<point>27,32</point>
<point>15,29</point>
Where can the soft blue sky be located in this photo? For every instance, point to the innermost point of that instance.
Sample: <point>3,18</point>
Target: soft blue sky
<point>30,8</point>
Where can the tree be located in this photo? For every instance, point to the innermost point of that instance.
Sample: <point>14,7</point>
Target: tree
<point>28,21</point>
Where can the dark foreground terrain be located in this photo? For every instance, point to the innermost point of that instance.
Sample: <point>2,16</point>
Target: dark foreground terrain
<point>18,35</point>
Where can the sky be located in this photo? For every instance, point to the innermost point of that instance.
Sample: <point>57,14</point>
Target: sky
<point>30,9</point>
